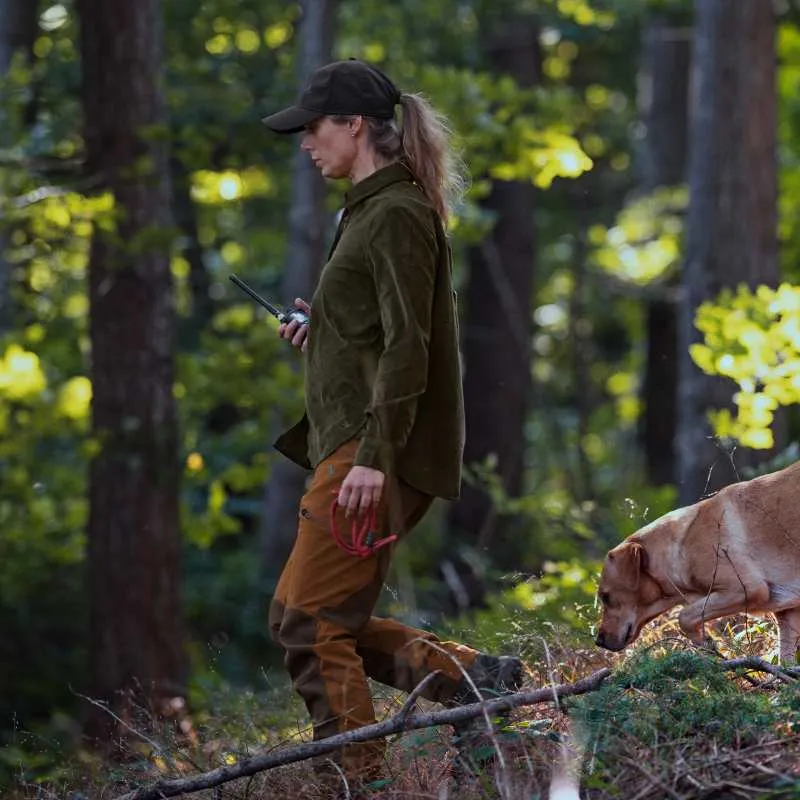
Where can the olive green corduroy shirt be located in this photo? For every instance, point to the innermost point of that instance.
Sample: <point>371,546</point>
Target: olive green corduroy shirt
<point>382,360</point>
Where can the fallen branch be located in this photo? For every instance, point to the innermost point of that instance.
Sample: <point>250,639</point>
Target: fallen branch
<point>395,724</point>
<point>785,674</point>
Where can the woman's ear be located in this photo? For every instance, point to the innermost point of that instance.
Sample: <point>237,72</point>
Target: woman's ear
<point>355,124</point>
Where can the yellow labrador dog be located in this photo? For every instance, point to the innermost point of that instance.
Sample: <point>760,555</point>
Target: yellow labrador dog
<point>738,551</point>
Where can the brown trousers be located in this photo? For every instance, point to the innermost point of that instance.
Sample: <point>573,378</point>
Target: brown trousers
<point>321,615</point>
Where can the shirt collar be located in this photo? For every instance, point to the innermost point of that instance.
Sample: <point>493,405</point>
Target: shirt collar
<point>374,183</point>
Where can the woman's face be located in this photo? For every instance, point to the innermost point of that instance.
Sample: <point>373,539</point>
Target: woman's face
<point>332,147</point>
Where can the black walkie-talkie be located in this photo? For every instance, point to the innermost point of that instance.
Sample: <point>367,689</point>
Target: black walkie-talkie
<point>290,314</point>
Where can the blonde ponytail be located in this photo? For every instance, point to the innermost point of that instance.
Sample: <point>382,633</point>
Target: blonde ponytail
<point>423,143</point>
<point>427,151</point>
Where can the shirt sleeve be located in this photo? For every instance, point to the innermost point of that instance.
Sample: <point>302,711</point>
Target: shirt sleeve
<point>402,255</point>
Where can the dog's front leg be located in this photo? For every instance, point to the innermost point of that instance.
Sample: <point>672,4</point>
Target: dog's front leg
<point>693,627</point>
<point>788,634</point>
<point>718,604</point>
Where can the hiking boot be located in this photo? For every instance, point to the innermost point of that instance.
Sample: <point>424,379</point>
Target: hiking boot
<point>492,676</point>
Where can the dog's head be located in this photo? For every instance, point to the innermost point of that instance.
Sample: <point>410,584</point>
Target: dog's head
<point>626,594</point>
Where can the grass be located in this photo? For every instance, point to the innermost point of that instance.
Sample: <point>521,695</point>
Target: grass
<point>668,724</point>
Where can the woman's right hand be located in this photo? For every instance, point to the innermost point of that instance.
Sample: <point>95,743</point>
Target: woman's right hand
<point>293,331</point>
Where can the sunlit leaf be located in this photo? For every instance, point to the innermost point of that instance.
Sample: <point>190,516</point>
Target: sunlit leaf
<point>75,397</point>
<point>21,374</point>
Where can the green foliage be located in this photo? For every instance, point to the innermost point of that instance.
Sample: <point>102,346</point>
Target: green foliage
<point>44,403</point>
<point>752,338</point>
<point>644,244</point>
<point>228,63</point>
<point>564,528</point>
<point>788,80</point>
<point>680,697</point>
<point>557,604</point>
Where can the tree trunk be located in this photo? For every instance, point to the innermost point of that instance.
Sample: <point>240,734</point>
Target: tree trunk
<point>18,26</point>
<point>664,102</point>
<point>308,227</point>
<point>136,648</point>
<point>497,330</point>
<point>185,214</point>
<point>731,227</point>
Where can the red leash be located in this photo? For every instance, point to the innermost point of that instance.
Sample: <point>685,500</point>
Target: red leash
<point>362,534</point>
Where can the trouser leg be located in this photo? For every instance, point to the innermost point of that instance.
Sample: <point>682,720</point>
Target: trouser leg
<point>324,599</point>
<point>321,616</point>
<point>401,656</point>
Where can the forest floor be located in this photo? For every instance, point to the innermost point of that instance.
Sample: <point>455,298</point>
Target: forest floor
<point>670,722</point>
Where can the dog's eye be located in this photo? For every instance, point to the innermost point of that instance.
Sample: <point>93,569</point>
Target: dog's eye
<point>605,598</point>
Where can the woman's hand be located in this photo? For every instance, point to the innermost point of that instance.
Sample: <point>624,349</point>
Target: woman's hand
<point>293,331</point>
<point>361,490</point>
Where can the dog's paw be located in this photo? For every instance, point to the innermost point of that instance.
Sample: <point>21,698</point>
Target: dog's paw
<point>706,644</point>
<point>702,641</point>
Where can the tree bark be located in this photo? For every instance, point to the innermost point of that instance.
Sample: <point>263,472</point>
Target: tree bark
<point>664,103</point>
<point>18,26</point>
<point>185,213</point>
<point>306,249</point>
<point>497,331</point>
<point>731,232</point>
<point>136,649</point>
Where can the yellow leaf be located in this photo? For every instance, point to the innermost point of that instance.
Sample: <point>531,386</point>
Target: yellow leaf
<point>757,439</point>
<point>621,383</point>
<point>21,374</point>
<point>232,253</point>
<point>703,357</point>
<point>75,398</point>
<point>277,34</point>
<point>722,423</point>
<point>629,408</point>
<point>247,41</point>
<point>195,462</point>
<point>180,267</point>
<point>374,52</point>
<point>216,497</point>
<point>219,44</point>
<point>504,172</point>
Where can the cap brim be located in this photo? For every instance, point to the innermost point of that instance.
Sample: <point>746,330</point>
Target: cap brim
<point>290,120</point>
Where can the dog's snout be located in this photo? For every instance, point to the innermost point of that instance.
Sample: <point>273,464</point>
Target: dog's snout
<point>609,641</point>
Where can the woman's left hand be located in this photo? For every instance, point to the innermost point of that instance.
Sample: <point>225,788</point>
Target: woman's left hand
<point>361,490</point>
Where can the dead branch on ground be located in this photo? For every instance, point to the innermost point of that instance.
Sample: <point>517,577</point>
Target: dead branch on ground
<point>405,721</point>
<point>396,724</point>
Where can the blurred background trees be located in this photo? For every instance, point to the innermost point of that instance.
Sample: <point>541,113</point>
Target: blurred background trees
<point>133,535</point>
<point>626,167</point>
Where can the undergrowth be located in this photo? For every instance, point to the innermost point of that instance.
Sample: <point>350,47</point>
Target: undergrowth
<point>668,723</point>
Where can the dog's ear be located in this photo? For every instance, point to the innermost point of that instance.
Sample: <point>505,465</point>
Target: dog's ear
<point>629,559</point>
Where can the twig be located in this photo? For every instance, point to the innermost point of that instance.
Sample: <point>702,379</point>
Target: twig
<point>415,695</point>
<point>654,779</point>
<point>761,768</point>
<point>379,730</point>
<point>787,675</point>
<point>103,707</point>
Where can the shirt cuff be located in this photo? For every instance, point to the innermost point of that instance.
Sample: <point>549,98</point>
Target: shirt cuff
<point>374,453</point>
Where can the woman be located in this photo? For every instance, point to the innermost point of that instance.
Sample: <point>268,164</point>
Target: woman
<point>383,429</point>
